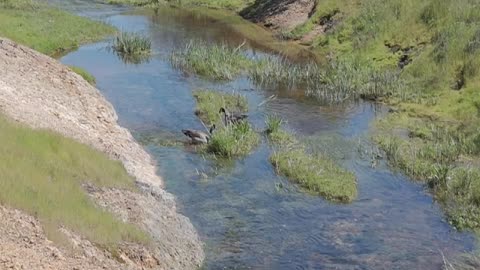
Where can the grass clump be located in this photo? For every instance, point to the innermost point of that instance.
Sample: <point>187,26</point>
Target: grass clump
<point>85,74</point>
<point>42,174</point>
<point>45,28</point>
<point>218,62</point>
<point>316,173</point>
<point>132,47</point>
<point>209,103</point>
<point>233,140</point>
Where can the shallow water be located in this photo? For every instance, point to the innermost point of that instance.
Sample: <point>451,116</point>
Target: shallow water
<point>249,217</point>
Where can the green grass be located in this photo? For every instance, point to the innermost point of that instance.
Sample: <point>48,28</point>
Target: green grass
<point>42,174</point>
<point>234,5</point>
<point>234,140</point>
<point>85,74</point>
<point>209,103</point>
<point>227,141</point>
<point>443,156</point>
<point>316,173</point>
<point>213,61</point>
<point>132,47</point>
<point>47,29</point>
<point>464,262</point>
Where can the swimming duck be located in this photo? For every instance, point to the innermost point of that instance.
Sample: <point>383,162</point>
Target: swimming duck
<point>198,137</point>
<point>232,117</point>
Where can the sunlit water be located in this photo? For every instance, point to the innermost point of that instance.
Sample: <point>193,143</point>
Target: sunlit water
<point>248,217</point>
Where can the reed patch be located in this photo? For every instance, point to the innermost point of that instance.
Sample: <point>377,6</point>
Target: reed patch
<point>213,61</point>
<point>132,47</point>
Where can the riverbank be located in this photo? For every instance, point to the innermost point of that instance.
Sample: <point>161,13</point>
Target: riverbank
<point>43,94</point>
<point>39,94</point>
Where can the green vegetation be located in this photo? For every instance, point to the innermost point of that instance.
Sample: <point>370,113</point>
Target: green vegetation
<point>47,29</point>
<point>227,141</point>
<point>209,103</point>
<point>233,140</point>
<point>132,47</point>
<point>235,5</point>
<point>315,173</point>
<point>42,173</point>
<point>218,62</point>
<point>465,262</point>
<point>85,74</point>
<point>441,155</point>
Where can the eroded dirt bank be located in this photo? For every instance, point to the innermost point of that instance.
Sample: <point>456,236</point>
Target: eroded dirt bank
<point>280,15</point>
<point>42,93</point>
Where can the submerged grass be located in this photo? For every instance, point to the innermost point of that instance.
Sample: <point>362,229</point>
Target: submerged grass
<point>209,103</point>
<point>441,156</point>
<point>316,173</point>
<point>85,74</point>
<point>213,61</point>
<point>47,29</point>
<point>42,173</point>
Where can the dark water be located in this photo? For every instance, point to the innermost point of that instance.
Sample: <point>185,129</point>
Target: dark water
<point>249,217</point>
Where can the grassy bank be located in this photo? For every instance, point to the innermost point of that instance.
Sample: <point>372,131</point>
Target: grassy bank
<point>42,173</point>
<point>316,173</point>
<point>47,29</point>
<point>235,5</point>
<point>85,74</point>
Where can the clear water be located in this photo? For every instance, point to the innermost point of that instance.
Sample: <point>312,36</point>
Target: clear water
<point>245,218</point>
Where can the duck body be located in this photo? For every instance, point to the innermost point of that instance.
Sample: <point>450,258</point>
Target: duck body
<point>198,137</point>
<point>232,117</point>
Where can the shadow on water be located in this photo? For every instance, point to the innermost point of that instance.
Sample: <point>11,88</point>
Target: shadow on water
<point>249,217</point>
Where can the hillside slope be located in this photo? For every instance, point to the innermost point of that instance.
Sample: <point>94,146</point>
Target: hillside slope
<point>40,92</point>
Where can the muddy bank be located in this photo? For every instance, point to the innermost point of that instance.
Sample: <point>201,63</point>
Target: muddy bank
<point>42,93</point>
<point>280,15</point>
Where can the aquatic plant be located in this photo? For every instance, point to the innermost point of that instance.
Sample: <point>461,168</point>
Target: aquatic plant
<point>42,174</point>
<point>463,262</point>
<point>132,47</point>
<point>316,173</point>
<point>209,103</point>
<point>218,62</point>
<point>273,123</point>
<point>233,140</point>
<point>439,156</point>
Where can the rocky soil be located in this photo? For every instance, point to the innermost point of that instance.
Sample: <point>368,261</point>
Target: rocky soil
<point>280,15</point>
<point>42,93</point>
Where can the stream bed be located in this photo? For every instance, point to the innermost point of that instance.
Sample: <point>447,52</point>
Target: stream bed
<point>247,216</point>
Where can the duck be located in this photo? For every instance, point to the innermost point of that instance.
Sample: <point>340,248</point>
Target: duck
<point>198,137</point>
<point>232,117</point>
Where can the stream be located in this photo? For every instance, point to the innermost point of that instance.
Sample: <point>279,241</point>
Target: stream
<point>247,216</point>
